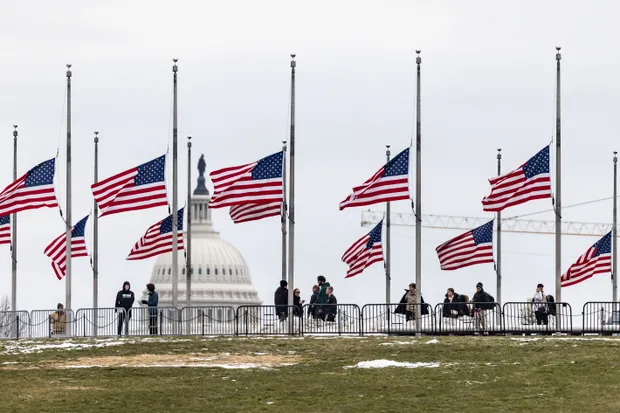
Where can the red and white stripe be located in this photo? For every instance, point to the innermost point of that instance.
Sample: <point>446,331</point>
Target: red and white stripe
<point>57,251</point>
<point>5,233</point>
<point>462,251</point>
<point>358,257</point>
<point>154,243</point>
<point>252,212</point>
<point>378,189</point>
<point>586,267</point>
<point>16,197</point>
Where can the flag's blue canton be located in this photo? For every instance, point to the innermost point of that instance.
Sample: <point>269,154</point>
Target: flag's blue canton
<point>603,246</point>
<point>268,167</point>
<point>150,172</point>
<point>42,174</point>
<point>375,235</point>
<point>79,228</point>
<point>483,233</point>
<point>166,224</point>
<point>399,165</point>
<point>5,220</point>
<point>538,164</point>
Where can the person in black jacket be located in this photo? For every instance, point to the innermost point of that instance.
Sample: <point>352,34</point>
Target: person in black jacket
<point>454,305</point>
<point>280,300</point>
<point>124,299</point>
<point>480,300</point>
<point>331,306</point>
<point>298,303</point>
<point>402,306</point>
<point>313,297</point>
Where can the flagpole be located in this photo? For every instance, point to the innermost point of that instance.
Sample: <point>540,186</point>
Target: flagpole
<point>498,269</point>
<point>68,205</point>
<point>291,212</point>
<point>418,202</point>
<point>614,233</point>
<point>175,239</point>
<point>188,236</point>
<point>388,274</point>
<point>96,236</point>
<point>14,232</point>
<point>558,196</point>
<point>283,212</point>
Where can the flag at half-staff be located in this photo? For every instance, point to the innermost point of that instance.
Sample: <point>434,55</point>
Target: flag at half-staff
<point>5,229</point>
<point>596,260</point>
<point>158,239</point>
<point>390,183</point>
<point>255,184</point>
<point>470,248</point>
<point>35,189</point>
<point>135,189</point>
<point>364,252</point>
<point>57,250</point>
<point>530,181</point>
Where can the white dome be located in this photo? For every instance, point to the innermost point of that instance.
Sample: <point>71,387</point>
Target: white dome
<point>220,275</point>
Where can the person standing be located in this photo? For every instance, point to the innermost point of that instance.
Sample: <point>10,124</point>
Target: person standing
<point>152,304</point>
<point>280,300</point>
<point>124,299</point>
<point>298,303</point>
<point>480,300</point>
<point>321,298</point>
<point>331,306</point>
<point>539,306</point>
<point>313,297</point>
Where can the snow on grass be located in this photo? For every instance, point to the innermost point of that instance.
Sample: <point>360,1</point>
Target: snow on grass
<point>65,345</point>
<point>381,364</point>
<point>433,341</point>
<point>394,343</point>
<point>242,366</point>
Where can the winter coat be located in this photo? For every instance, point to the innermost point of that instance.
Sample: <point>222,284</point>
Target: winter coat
<point>402,306</point>
<point>298,309</point>
<point>538,302</point>
<point>280,299</point>
<point>152,302</point>
<point>480,298</point>
<point>312,306</point>
<point>322,296</point>
<point>125,299</point>
<point>330,308</point>
<point>458,304</point>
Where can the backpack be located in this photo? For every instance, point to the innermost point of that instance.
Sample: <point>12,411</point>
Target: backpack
<point>551,304</point>
<point>489,305</point>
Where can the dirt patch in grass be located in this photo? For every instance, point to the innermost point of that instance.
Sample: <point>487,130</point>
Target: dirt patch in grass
<point>167,360</point>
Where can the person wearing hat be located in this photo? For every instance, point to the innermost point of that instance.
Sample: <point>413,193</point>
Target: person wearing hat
<point>539,306</point>
<point>480,300</point>
<point>280,300</point>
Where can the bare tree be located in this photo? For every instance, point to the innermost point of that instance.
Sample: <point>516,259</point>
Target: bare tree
<point>11,322</point>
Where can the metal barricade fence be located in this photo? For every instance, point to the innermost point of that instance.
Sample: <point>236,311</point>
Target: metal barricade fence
<point>209,321</point>
<point>268,320</point>
<point>523,318</point>
<point>14,324</point>
<point>601,317</point>
<point>51,323</point>
<point>463,318</point>
<point>102,322</point>
<point>397,319</point>
<point>331,319</point>
<point>155,321</point>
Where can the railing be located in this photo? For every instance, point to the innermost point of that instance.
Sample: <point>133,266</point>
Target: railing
<point>338,319</point>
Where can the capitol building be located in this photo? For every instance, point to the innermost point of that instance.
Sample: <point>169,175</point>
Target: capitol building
<point>220,275</point>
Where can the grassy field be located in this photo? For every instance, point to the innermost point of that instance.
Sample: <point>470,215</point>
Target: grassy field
<point>277,374</point>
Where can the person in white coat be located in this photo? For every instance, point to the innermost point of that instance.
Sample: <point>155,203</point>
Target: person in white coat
<point>539,306</point>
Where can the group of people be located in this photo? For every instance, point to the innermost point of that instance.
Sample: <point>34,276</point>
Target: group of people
<point>125,299</point>
<point>323,303</point>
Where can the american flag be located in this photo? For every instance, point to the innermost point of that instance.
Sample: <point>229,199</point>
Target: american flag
<point>135,189</point>
<point>5,229</point>
<point>364,252</point>
<point>528,182</point>
<point>390,183</point>
<point>254,183</point>
<point>57,250</point>
<point>35,189</point>
<point>596,260</point>
<point>158,239</point>
<point>252,212</point>
<point>471,248</point>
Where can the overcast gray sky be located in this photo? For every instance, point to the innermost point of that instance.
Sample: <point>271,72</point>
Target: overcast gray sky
<point>488,81</point>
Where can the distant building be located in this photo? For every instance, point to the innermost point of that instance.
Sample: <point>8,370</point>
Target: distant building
<point>220,275</point>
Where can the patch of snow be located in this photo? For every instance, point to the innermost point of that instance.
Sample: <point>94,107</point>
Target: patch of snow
<point>393,343</point>
<point>11,362</point>
<point>524,339</point>
<point>66,345</point>
<point>433,341</point>
<point>380,364</point>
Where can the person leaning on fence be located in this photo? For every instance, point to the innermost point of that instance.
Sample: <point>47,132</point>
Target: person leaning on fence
<point>152,304</point>
<point>408,305</point>
<point>482,301</point>
<point>124,299</point>
<point>539,306</point>
<point>312,305</point>
<point>454,305</point>
<point>280,300</point>
<point>321,298</point>
<point>331,307</point>
<point>58,320</point>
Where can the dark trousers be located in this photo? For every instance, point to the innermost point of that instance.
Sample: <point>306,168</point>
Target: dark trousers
<point>121,321</point>
<point>153,324</point>
<point>541,318</point>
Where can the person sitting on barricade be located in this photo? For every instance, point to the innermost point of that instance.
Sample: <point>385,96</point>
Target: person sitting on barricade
<point>455,305</point>
<point>58,320</point>
<point>408,304</point>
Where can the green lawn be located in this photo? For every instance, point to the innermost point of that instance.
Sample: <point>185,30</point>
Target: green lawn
<point>472,374</point>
